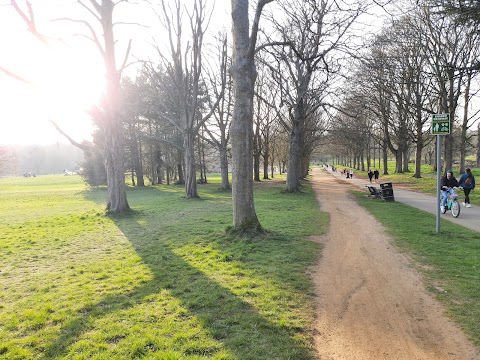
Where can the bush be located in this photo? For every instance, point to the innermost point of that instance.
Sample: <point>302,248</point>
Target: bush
<point>93,168</point>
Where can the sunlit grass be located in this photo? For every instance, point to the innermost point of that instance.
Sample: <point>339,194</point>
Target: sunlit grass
<point>164,281</point>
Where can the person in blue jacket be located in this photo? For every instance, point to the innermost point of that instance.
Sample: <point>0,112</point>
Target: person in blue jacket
<point>467,181</point>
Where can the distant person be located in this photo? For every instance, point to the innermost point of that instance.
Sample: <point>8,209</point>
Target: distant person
<point>370,175</point>
<point>467,182</point>
<point>348,173</point>
<point>376,174</point>
<point>448,182</point>
<point>351,173</point>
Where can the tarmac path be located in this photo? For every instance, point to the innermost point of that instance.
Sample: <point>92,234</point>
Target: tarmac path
<point>469,217</point>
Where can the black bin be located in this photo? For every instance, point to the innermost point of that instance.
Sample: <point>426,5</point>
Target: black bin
<point>387,191</point>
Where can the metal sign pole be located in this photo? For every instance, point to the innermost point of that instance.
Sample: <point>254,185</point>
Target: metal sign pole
<point>439,169</point>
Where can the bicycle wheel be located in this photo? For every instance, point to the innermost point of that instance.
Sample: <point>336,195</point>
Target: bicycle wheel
<point>455,208</point>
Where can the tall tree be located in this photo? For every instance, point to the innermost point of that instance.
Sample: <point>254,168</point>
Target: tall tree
<point>314,31</point>
<point>244,74</point>
<point>462,11</point>
<point>185,71</point>
<point>107,116</point>
<point>218,133</point>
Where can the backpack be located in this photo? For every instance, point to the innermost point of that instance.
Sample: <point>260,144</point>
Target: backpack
<point>468,181</point>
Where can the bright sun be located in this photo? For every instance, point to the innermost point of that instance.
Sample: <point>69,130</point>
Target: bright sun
<point>63,82</point>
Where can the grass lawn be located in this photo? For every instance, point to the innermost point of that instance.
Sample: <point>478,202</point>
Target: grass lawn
<point>162,282</point>
<point>450,260</point>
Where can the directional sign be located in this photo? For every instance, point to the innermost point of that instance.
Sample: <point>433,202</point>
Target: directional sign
<point>440,124</point>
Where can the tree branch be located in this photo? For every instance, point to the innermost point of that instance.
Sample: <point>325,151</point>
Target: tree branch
<point>82,146</point>
<point>29,20</point>
<point>255,25</point>
<point>15,76</point>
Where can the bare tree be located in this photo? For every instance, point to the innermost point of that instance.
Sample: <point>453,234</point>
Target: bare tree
<point>314,31</point>
<point>244,74</point>
<point>107,116</point>
<point>28,17</point>
<point>447,50</point>
<point>184,69</point>
<point>217,130</point>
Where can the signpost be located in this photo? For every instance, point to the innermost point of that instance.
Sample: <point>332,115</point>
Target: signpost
<point>440,126</point>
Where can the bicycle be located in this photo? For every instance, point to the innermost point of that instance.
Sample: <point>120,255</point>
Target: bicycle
<point>452,202</point>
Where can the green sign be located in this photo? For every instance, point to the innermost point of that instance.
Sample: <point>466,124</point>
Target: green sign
<point>440,124</point>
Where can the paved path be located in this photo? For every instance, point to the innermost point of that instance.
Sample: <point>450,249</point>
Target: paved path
<point>469,217</point>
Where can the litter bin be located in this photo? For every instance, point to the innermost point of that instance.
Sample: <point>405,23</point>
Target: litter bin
<point>387,191</point>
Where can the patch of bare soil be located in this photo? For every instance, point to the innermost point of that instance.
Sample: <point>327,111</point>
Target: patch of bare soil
<point>372,303</point>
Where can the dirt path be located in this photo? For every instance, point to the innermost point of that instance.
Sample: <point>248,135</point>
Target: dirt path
<point>371,302</point>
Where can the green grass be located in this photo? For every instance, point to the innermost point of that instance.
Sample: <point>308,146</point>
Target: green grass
<point>164,281</point>
<point>450,260</point>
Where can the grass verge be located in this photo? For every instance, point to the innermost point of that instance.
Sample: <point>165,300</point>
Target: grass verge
<point>450,260</point>
<point>164,281</point>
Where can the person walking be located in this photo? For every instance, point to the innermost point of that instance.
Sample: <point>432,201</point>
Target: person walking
<point>467,182</point>
<point>376,173</point>
<point>351,173</point>
<point>370,175</point>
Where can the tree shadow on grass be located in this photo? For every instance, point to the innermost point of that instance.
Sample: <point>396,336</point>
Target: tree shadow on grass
<point>235,325</point>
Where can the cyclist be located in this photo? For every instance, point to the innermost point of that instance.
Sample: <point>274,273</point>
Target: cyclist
<point>448,182</point>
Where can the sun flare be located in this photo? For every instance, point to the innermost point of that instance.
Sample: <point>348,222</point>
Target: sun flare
<point>61,83</point>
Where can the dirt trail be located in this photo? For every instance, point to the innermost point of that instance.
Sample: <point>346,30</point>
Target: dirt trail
<point>371,302</point>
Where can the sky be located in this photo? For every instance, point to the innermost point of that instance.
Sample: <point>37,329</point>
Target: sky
<point>65,76</point>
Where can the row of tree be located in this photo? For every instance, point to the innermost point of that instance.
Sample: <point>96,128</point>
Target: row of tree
<point>275,84</point>
<point>249,100</point>
<point>39,159</point>
<point>422,63</point>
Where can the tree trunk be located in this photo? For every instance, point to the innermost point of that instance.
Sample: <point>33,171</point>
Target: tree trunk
<point>266,152</point>
<point>265,167</point>
<point>224,168</point>
<point>405,160</point>
<point>463,139</point>
<point>116,188</point>
<point>244,74</point>
<point>294,160</point>
<point>180,157</point>
<point>418,157</point>
<point>136,159</point>
<point>256,157</point>
<point>385,160</point>
<point>189,157</point>
<point>111,122</point>
<point>478,144</point>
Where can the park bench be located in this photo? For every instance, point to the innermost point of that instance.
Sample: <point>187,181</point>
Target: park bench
<point>377,193</point>
<point>385,192</point>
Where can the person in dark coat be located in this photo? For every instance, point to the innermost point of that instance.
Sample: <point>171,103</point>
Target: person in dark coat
<point>467,182</point>
<point>448,182</point>
<point>370,175</point>
<point>376,173</point>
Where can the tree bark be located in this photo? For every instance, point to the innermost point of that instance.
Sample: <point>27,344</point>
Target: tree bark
<point>244,74</point>
<point>189,162</point>
<point>111,121</point>
<point>224,168</point>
